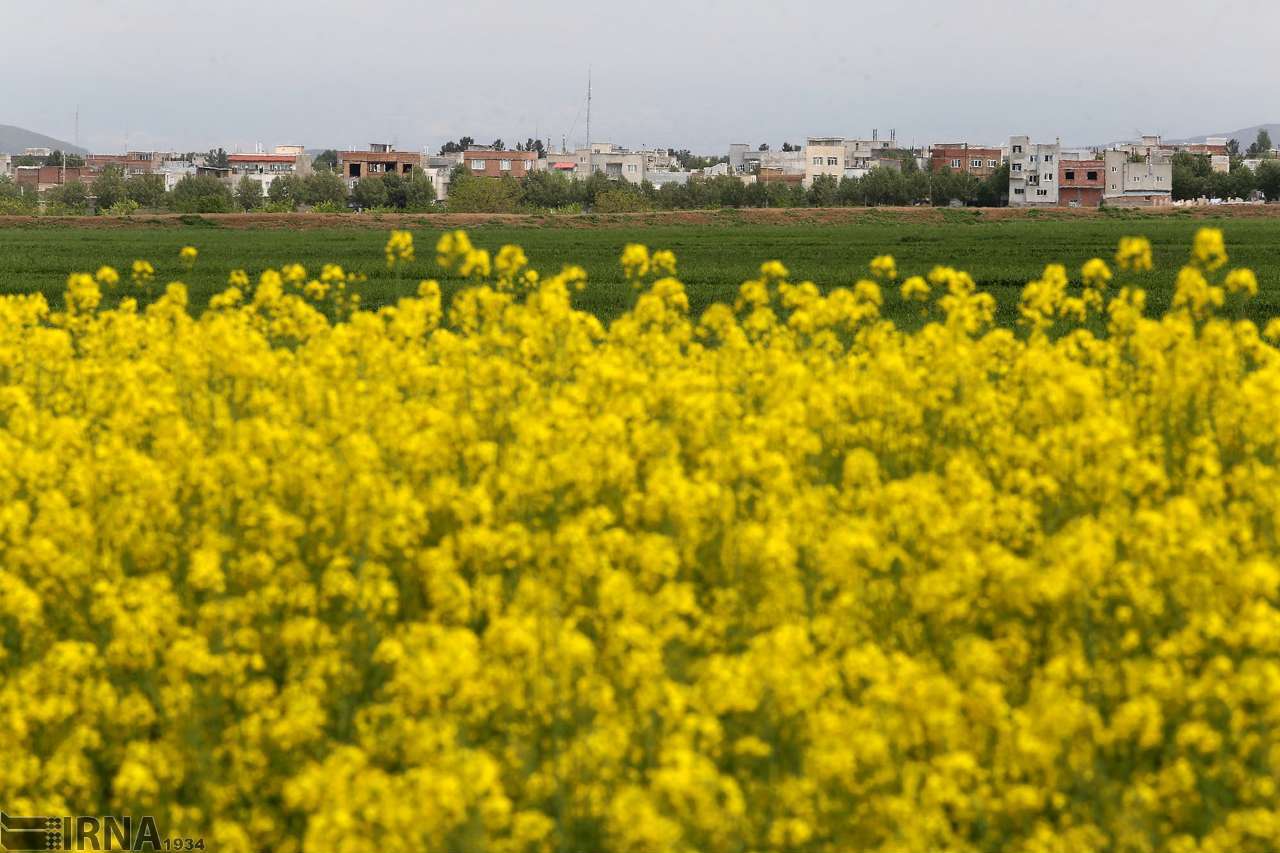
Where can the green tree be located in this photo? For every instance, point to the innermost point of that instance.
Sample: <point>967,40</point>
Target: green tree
<point>325,187</point>
<point>547,190</point>
<point>60,158</point>
<point>419,191</point>
<point>71,197</point>
<point>469,194</point>
<point>1261,146</point>
<point>217,157</point>
<point>248,194</point>
<point>823,192</point>
<point>13,199</point>
<point>287,190</point>
<point>110,187</point>
<point>146,190</point>
<point>201,194</point>
<point>370,191</point>
<point>621,200</point>
<point>326,159</point>
<point>1190,176</point>
<point>499,145</point>
<point>1268,178</point>
<point>463,144</point>
<point>994,190</point>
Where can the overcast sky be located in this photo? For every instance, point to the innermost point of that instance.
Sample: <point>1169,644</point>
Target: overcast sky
<point>700,75</point>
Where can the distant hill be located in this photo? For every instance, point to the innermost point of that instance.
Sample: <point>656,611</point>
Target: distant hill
<point>1244,136</point>
<point>15,140</point>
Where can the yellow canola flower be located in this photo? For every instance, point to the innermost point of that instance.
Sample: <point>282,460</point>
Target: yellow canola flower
<point>107,276</point>
<point>143,272</point>
<point>781,576</point>
<point>884,267</point>
<point>187,255</point>
<point>635,261</point>
<point>1209,250</point>
<point>1134,254</point>
<point>399,249</point>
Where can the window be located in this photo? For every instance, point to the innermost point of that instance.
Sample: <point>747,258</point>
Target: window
<point>504,165</point>
<point>1019,191</point>
<point>1017,149</point>
<point>1048,176</point>
<point>1113,168</point>
<point>1159,179</point>
<point>1035,158</point>
<point>833,161</point>
<point>1113,186</point>
<point>955,164</point>
<point>977,164</point>
<point>631,167</point>
<point>1135,179</point>
<point>1016,167</point>
<point>1048,158</point>
<point>1042,192</point>
<point>817,161</point>
<point>1069,175</point>
<point>1091,176</point>
<point>991,163</point>
<point>477,165</point>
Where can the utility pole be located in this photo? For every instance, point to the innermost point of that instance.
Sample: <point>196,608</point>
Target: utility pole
<point>591,154</point>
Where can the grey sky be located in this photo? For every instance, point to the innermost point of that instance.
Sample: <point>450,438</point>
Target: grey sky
<point>700,74</point>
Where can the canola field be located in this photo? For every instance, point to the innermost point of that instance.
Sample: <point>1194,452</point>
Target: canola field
<point>292,574</point>
<point>715,257</point>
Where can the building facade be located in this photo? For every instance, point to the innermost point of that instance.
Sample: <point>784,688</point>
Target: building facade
<point>823,156</point>
<point>1136,181</point>
<point>1033,173</point>
<point>486,163</point>
<point>380,159</point>
<point>1081,182</point>
<point>981,161</point>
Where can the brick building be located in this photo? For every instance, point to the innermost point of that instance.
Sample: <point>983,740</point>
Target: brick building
<point>978,160</point>
<point>41,178</point>
<point>496,164</point>
<point>378,160</point>
<point>1081,183</point>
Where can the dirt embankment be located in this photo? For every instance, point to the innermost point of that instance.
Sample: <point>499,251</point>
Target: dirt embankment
<point>725,217</point>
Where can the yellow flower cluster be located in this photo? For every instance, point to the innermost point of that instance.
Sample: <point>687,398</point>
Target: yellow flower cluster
<point>1134,254</point>
<point>779,577</point>
<point>187,256</point>
<point>399,249</point>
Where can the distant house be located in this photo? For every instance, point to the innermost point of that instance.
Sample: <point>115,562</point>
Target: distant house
<point>1133,180</point>
<point>981,161</point>
<point>1081,182</point>
<point>487,163</point>
<point>380,159</point>
<point>1033,172</point>
<point>265,168</point>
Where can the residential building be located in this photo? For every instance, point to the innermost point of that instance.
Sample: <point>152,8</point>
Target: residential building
<point>439,168</point>
<point>131,162</point>
<point>487,163</point>
<point>1080,181</point>
<point>41,178</point>
<point>380,159</point>
<point>823,155</point>
<point>743,160</point>
<point>1136,181</point>
<point>295,150</point>
<point>6,165</point>
<point>1033,173</point>
<point>981,161</point>
<point>265,168</point>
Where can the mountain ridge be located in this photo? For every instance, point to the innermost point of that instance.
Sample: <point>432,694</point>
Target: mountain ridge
<point>15,140</point>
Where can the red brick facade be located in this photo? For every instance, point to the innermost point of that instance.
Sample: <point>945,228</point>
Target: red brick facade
<point>973,160</point>
<point>1080,183</point>
<point>495,164</point>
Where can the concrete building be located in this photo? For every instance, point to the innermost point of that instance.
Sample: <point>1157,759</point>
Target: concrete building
<point>266,168</point>
<point>1033,173</point>
<point>613,161</point>
<point>1137,181</point>
<point>981,161</point>
<point>6,165</point>
<point>743,160</point>
<point>439,168</point>
<point>131,162</point>
<point>1080,181</point>
<point>380,159</point>
<point>823,155</point>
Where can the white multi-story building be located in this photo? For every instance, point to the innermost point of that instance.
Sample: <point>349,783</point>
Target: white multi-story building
<point>1033,172</point>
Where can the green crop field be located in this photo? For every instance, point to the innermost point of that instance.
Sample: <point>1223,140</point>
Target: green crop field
<point>714,258</point>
